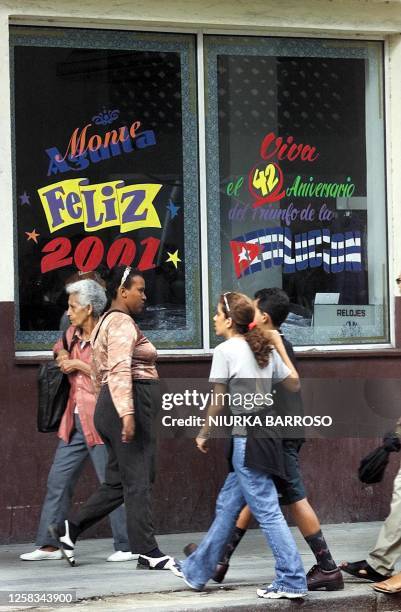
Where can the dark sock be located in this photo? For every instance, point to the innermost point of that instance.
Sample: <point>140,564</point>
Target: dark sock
<point>155,553</point>
<point>233,543</point>
<point>318,546</point>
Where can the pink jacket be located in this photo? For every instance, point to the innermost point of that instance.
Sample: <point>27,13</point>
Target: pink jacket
<point>82,392</point>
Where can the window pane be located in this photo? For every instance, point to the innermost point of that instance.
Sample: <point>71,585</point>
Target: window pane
<point>105,173</point>
<point>296,181</point>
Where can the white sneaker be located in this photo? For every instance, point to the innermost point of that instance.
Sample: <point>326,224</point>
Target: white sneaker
<point>271,593</point>
<point>121,555</point>
<point>42,555</point>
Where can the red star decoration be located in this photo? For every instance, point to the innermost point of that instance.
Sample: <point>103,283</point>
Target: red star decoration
<point>33,235</point>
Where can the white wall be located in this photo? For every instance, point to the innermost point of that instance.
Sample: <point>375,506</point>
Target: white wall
<point>393,100</point>
<point>6,207</point>
<point>304,15</point>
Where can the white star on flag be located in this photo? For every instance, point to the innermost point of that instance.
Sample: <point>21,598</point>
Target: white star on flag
<point>243,256</point>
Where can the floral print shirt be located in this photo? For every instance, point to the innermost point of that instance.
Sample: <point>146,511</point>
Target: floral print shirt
<point>121,354</point>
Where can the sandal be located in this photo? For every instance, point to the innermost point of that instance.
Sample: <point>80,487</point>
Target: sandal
<point>362,570</point>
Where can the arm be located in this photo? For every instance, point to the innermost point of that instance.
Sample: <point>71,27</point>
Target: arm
<point>70,365</point>
<point>291,383</point>
<point>121,338</point>
<point>213,410</point>
<point>96,378</point>
<point>219,376</point>
<point>63,360</point>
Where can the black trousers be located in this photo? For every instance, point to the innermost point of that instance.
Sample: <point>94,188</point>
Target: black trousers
<point>130,467</point>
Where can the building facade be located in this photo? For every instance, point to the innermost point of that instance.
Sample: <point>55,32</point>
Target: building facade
<point>215,147</point>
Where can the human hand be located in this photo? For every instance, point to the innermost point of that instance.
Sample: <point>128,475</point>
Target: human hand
<point>61,356</point>
<point>128,428</point>
<point>68,365</point>
<point>202,444</point>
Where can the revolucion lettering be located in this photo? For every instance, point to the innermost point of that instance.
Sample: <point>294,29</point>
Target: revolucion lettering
<point>337,252</point>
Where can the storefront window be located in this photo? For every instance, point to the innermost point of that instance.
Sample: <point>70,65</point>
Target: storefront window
<point>296,181</point>
<point>105,172</point>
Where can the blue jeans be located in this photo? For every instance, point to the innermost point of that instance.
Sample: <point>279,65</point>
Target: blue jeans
<point>257,489</point>
<point>66,468</point>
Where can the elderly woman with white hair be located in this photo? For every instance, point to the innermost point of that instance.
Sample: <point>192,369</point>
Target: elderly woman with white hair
<point>78,436</point>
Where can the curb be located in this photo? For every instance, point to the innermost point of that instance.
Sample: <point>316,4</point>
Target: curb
<point>355,598</point>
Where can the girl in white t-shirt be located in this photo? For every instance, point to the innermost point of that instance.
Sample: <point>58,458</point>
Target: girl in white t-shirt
<point>248,360</point>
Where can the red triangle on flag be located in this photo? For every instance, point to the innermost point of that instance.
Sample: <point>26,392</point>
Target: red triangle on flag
<point>243,254</point>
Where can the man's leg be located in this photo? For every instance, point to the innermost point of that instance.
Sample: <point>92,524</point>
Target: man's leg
<point>308,524</point>
<point>304,517</point>
<point>293,495</point>
<point>244,518</point>
<point>387,550</point>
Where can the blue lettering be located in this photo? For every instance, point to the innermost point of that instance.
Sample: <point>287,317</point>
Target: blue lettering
<point>56,166</point>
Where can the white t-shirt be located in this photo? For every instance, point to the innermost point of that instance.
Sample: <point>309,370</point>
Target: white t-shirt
<point>234,364</point>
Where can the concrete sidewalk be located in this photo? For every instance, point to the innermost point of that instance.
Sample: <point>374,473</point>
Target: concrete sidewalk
<point>117,586</point>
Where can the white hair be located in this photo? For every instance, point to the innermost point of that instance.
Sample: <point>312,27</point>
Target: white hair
<point>89,292</point>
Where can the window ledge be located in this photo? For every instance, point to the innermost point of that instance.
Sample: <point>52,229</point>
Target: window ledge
<point>349,353</point>
<point>45,357</point>
<point>389,352</point>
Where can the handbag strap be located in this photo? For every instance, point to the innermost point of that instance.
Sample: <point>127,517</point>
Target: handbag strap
<point>67,347</point>
<point>65,344</point>
<point>105,317</point>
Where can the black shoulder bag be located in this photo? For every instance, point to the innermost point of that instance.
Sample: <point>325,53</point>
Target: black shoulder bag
<point>54,388</point>
<point>372,467</point>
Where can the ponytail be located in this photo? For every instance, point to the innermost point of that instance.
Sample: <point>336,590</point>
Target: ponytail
<point>259,346</point>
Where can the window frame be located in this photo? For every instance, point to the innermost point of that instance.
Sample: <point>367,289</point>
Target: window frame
<point>357,49</point>
<point>186,47</point>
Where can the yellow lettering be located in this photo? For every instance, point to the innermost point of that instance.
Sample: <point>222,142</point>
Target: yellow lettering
<point>137,208</point>
<point>60,208</point>
<point>101,205</point>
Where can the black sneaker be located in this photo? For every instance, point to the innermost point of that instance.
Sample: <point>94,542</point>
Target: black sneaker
<point>62,534</point>
<point>158,563</point>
